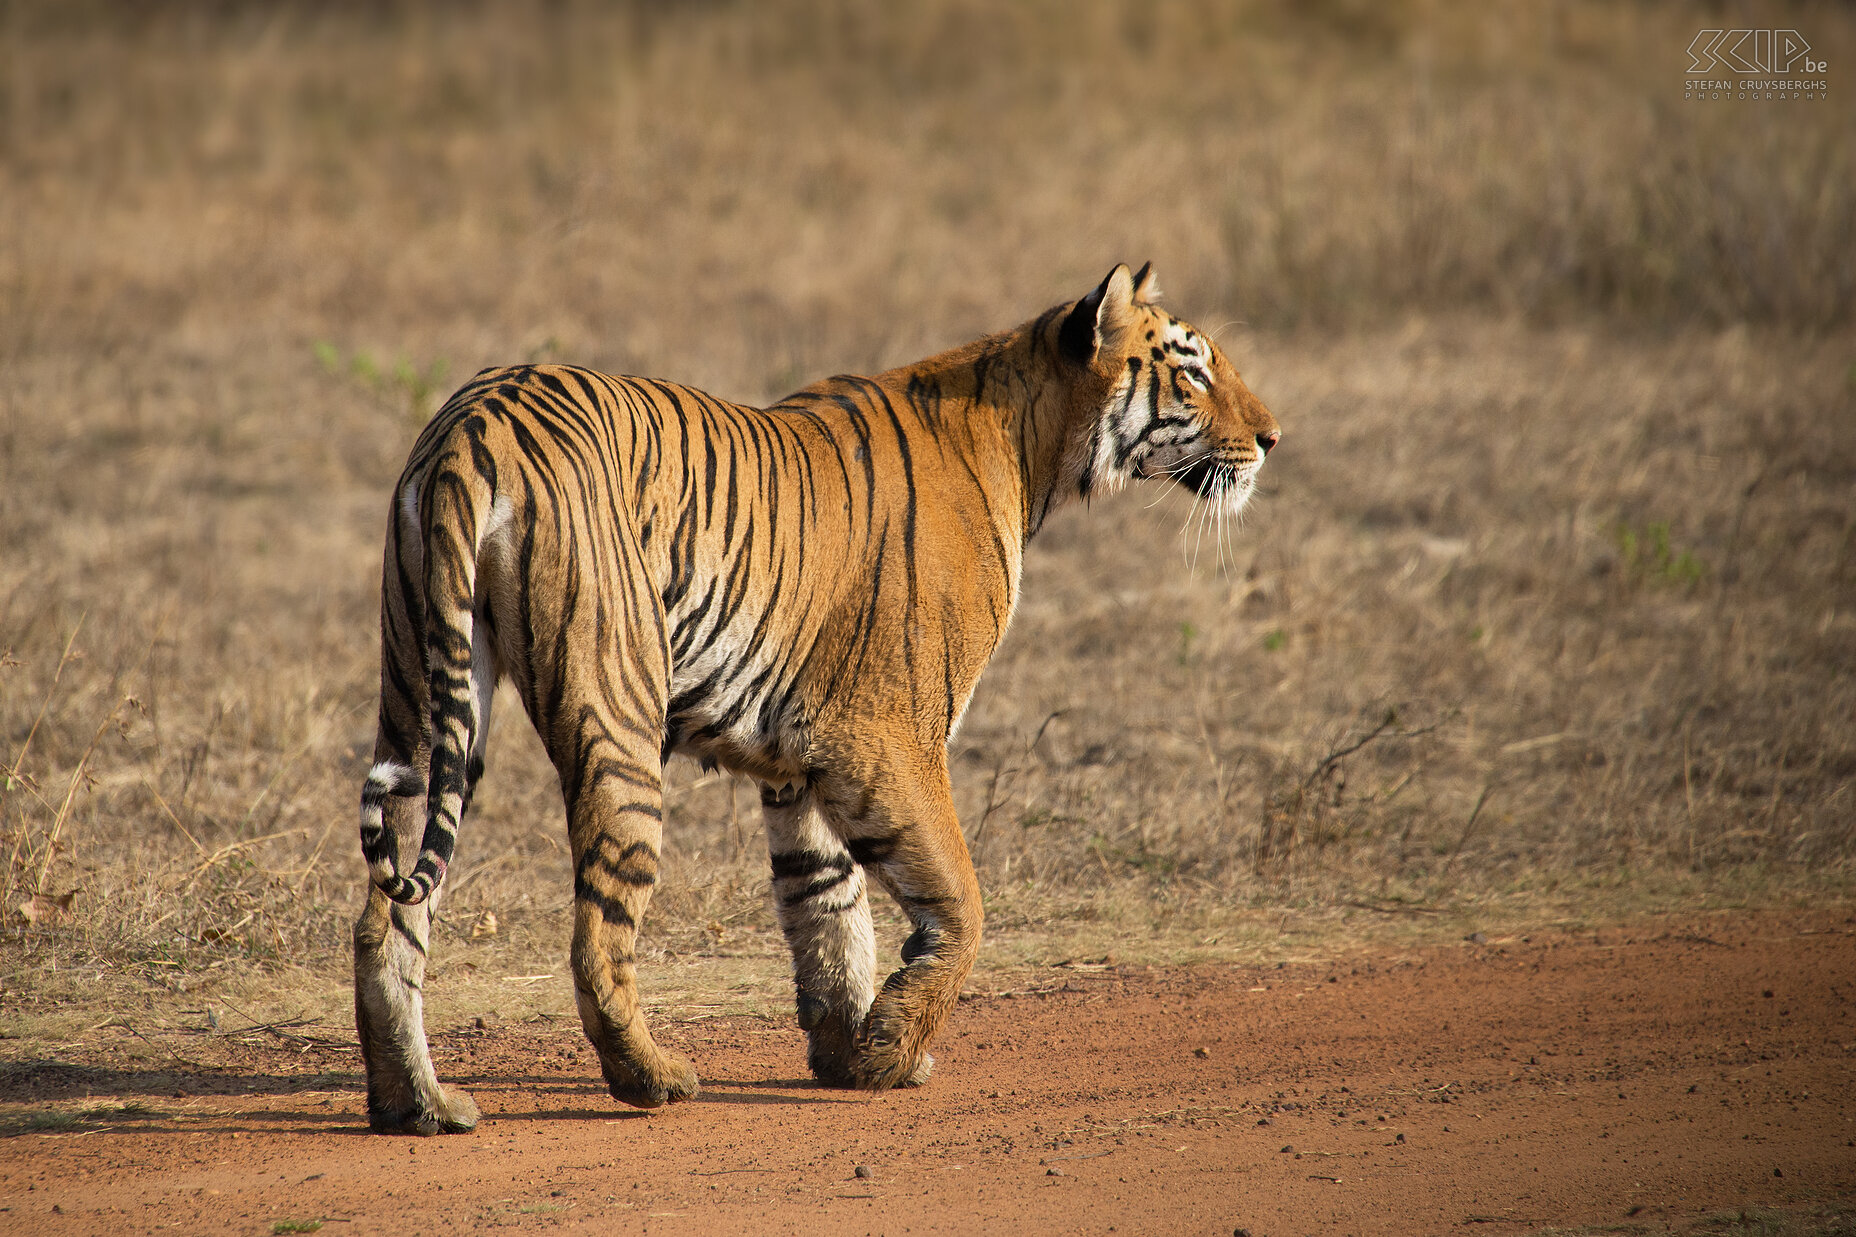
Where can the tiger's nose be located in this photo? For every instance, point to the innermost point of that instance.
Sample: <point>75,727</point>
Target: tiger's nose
<point>1269,440</point>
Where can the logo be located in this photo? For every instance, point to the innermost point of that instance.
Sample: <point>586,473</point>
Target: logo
<point>1751,51</point>
<point>1749,65</point>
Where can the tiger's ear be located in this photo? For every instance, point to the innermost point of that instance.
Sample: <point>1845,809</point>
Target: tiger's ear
<point>1098,318</point>
<point>1146,285</point>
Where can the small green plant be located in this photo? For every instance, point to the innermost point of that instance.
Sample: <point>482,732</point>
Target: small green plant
<point>64,1120</point>
<point>1275,641</point>
<point>1187,634</point>
<point>42,1123</point>
<point>417,386</point>
<point>297,1226</point>
<point>1650,554</point>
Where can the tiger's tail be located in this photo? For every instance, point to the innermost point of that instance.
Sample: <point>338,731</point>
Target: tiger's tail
<point>453,658</point>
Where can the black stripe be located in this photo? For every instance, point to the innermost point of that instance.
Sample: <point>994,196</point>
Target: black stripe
<point>798,864</point>
<point>611,909</point>
<point>868,851</point>
<point>404,929</point>
<point>824,884</point>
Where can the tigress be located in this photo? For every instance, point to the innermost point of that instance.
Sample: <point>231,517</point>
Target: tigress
<point>804,594</point>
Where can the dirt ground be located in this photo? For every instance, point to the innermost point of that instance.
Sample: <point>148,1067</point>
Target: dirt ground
<point>1632,1080</point>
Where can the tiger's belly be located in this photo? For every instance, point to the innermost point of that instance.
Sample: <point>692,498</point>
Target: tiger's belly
<point>738,708</point>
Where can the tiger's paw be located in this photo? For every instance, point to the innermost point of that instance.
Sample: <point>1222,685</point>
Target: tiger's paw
<point>923,1068</point>
<point>884,1059</point>
<point>669,1079</point>
<point>831,1043</point>
<point>453,1113</point>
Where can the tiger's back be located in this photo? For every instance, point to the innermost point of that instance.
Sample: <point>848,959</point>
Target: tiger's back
<point>758,542</point>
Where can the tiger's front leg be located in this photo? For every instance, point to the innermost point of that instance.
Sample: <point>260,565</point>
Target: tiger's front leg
<point>823,904</point>
<point>909,837</point>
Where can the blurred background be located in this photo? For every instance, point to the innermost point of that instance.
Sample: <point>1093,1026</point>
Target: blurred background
<point>1547,609</point>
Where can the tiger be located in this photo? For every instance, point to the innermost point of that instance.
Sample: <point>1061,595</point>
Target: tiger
<point>803,594</point>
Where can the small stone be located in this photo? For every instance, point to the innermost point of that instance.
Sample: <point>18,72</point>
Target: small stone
<point>1287,1148</point>
<point>862,1172</point>
<point>1778,1172</point>
<point>479,1023</point>
<point>1201,1052</point>
<point>1399,1139</point>
<point>1053,1172</point>
<point>1477,938</point>
<point>1263,1120</point>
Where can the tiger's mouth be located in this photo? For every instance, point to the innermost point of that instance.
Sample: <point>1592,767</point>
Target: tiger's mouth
<point>1212,476</point>
<point>1202,475</point>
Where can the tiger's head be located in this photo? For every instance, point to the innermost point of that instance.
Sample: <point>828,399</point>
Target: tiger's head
<point>1154,397</point>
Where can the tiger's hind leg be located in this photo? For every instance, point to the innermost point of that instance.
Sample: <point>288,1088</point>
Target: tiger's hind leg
<point>823,905</point>
<point>391,943</point>
<point>613,782</point>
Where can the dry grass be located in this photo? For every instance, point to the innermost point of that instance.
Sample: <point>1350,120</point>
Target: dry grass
<point>1561,528</point>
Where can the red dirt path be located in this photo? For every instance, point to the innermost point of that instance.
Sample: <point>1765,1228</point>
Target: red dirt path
<point>1643,1079</point>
